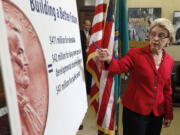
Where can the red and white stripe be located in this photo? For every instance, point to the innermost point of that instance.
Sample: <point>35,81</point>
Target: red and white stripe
<point>102,87</point>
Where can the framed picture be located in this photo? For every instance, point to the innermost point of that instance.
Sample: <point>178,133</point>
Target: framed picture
<point>139,20</point>
<point>176,22</point>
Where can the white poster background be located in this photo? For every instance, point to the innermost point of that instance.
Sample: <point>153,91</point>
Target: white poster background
<point>66,108</point>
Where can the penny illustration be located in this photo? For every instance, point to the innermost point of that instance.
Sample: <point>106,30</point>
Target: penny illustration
<point>29,68</point>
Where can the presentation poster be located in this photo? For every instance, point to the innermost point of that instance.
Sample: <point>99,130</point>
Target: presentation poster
<point>176,22</point>
<point>139,20</point>
<point>42,66</point>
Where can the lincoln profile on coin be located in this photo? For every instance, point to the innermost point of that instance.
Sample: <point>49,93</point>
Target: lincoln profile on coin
<point>31,122</point>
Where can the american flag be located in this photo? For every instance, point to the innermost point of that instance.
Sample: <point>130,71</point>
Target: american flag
<point>102,89</point>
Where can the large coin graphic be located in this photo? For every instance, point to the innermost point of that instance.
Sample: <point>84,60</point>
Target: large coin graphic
<point>32,89</point>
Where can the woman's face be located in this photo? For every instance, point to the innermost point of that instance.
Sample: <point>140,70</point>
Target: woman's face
<point>159,38</point>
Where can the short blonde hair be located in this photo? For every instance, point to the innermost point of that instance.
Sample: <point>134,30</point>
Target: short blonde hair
<point>166,24</point>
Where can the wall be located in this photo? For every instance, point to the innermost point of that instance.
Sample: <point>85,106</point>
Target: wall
<point>167,9</point>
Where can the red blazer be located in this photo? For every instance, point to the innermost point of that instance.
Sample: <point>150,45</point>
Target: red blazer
<point>149,89</point>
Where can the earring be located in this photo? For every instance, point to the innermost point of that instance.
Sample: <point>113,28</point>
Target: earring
<point>167,45</point>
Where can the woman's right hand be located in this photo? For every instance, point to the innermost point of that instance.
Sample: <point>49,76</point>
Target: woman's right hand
<point>104,55</point>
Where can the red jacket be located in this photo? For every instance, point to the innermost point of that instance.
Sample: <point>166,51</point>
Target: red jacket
<point>149,89</point>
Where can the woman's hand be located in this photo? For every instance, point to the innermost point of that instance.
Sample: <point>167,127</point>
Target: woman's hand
<point>166,123</point>
<point>104,55</point>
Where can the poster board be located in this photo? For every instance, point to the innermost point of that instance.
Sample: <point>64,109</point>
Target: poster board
<point>139,20</point>
<point>41,63</point>
<point>176,23</point>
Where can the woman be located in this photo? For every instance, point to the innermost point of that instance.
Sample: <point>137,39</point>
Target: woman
<point>147,103</point>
